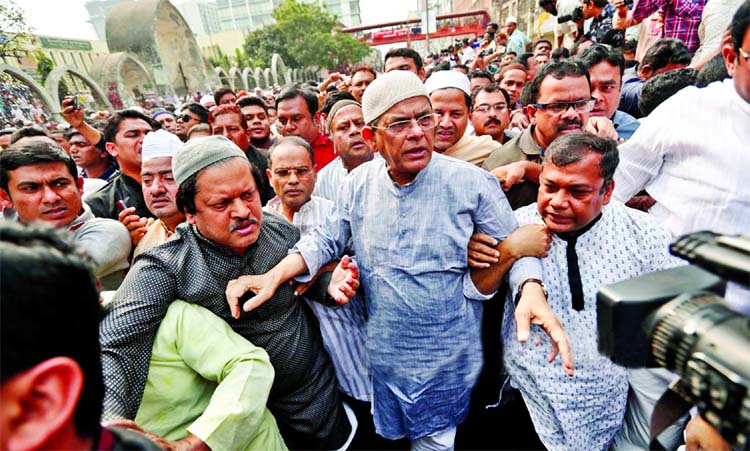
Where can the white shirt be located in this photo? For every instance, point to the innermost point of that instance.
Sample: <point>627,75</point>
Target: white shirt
<point>467,55</point>
<point>330,179</point>
<point>692,155</point>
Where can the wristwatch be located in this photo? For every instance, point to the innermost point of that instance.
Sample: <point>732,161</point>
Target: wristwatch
<point>520,288</point>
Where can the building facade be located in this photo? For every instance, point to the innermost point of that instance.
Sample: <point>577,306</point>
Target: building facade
<point>247,15</point>
<point>202,16</point>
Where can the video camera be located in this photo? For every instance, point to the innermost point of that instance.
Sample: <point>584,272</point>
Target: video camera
<point>575,16</point>
<point>687,328</point>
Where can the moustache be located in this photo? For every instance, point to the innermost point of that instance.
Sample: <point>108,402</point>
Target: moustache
<point>566,123</point>
<point>243,223</point>
<point>492,121</point>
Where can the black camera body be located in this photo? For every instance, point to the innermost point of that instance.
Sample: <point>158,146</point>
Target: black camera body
<point>677,320</point>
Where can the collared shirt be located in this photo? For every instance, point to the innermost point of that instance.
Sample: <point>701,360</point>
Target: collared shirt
<point>630,94</point>
<point>472,149</point>
<point>625,124</point>
<point>103,203</point>
<point>323,150</point>
<point>522,147</point>
<point>517,42</point>
<point>423,329</point>
<point>342,327</point>
<point>585,411</point>
<point>108,174</point>
<point>601,31</point>
<point>106,242</point>
<point>192,268</point>
<point>216,389</point>
<point>694,163</point>
<point>681,18</point>
<point>329,179</point>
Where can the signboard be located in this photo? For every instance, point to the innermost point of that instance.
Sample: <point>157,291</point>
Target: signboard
<point>66,44</point>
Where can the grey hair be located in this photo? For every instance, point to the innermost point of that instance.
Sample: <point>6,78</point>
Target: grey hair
<point>573,147</point>
<point>295,140</point>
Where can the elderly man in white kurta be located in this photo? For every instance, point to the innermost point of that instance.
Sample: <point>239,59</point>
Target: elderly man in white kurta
<point>595,243</point>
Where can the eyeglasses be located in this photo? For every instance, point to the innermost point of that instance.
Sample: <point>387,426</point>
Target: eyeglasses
<point>299,172</point>
<point>187,118</point>
<point>484,108</point>
<point>580,106</point>
<point>426,122</point>
<point>744,54</point>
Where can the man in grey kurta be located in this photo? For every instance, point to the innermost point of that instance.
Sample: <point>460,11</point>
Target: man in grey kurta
<point>194,268</point>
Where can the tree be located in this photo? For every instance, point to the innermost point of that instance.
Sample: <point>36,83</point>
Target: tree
<point>304,35</point>
<point>44,65</point>
<point>14,31</point>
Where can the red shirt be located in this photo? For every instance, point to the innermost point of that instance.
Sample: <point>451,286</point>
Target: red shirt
<point>323,150</point>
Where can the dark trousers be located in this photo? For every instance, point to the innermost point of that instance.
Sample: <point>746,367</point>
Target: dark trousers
<point>366,438</point>
<point>507,427</point>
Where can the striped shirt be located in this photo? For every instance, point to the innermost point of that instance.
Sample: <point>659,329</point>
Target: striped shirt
<point>343,327</point>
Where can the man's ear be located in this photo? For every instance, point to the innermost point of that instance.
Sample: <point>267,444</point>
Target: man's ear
<point>368,134</point>
<point>190,218</point>
<point>730,58</point>
<point>41,402</point>
<point>531,113</point>
<point>111,148</point>
<point>608,192</point>
<point>5,200</point>
<point>646,72</point>
<point>79,183</point>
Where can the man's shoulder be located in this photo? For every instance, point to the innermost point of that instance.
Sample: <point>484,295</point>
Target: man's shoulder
<point>276,229</point>
<point>528,214</point>
<point>640,223</point>
<point>509,152</point>
<point>112,229</point>
<point>459,170</point>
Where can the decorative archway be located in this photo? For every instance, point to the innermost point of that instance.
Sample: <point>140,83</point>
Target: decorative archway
<point>246,74</point>
<point>279,72</point>
<point>156,32</point>
<point>50,104</point>
<point>267,77</point>
<point>124,76</point>
<point>55,82</point>
<point>235,77</point>
<point>224,77</point>
<point>260,80</point>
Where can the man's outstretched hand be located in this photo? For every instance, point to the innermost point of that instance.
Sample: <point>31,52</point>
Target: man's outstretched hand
<point>264,286</point>
<point>344,281</point>
<point>532,308</point>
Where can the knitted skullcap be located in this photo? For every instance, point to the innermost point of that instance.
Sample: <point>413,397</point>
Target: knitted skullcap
<point>447,79</point>
<point>160,143</point>
<point>388,90</point>
<point>336,107</point>
<point>200,153</point>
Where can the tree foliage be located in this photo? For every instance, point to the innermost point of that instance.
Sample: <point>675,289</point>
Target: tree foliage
<point>44,65</point>
<point>14,31</point>
<point>304,35</point>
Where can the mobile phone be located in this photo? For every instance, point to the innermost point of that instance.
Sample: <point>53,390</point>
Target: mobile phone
<point>121,205</point>
<point>77,102</point>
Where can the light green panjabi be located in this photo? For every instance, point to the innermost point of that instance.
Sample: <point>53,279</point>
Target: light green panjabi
<point>207,380</point>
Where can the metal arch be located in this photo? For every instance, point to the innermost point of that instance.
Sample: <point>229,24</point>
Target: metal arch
<point>224,78</point>
<point>234,74</point>
<point>246,72</point>
<point>279,70</point>
<point>55,77</point>
<point>259,78</point>
<point>52,106</point>
<point>267,77</point>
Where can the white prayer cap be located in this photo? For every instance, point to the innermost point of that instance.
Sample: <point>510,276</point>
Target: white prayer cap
<point>388,90</point>
<point>447,79</point>
<point>208,101</point>
<point>160,143</point>
<point>511,19</point>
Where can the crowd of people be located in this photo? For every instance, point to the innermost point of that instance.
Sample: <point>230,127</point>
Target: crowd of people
<point>398,260</point>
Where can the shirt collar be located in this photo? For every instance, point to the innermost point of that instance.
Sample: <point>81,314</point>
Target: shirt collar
<point>528,144</point>
<point>574,235</point>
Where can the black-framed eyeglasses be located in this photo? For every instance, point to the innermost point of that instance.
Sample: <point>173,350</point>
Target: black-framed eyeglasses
<point>186,118</point>
<point>426,122</point>
<point>580,106</point>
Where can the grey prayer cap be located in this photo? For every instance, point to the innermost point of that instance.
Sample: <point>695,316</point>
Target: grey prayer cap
<point>200,153</point>
<point>388,90</point>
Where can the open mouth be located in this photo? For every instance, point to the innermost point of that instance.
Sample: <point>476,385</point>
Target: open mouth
<point>55,213</point>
